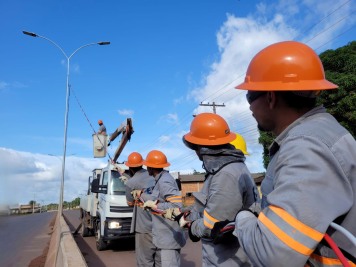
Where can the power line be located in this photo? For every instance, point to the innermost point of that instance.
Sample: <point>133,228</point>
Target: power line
<point>304,31</point>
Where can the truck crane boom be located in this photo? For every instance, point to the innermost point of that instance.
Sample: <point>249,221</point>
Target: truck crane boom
<point>126,130</point>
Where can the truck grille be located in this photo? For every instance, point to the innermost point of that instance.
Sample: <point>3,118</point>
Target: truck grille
<point>121,209</point>
<point>126,224</point>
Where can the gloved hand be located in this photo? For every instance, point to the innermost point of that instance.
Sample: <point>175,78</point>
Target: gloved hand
<point>222,231</point>
<point>191,236</point>
<point>171,213</point>
<point>123,178</point>
<point>117,167</point>
<point>136,194</point>
<point>183,221</point>
<point>150,204</point>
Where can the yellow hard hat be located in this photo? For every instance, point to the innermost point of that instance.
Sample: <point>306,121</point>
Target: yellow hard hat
<point>239,143</point>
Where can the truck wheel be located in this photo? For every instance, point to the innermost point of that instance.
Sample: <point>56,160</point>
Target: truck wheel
<point>100,243</point>
<point>85,230</point>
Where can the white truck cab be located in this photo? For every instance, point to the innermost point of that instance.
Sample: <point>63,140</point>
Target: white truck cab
<point>104,210</point>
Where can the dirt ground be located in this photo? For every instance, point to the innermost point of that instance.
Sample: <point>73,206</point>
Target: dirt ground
<point>41,260</point>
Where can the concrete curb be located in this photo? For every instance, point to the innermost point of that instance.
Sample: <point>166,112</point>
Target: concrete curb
<point>63,250</point>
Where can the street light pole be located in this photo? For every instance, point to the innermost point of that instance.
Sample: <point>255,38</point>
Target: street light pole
<point>60,208</point>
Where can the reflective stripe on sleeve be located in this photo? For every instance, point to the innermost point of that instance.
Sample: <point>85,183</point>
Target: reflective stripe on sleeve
<point>329,261</point>
<point>290,231</point>
<point>209,220</point>
<point>174,199</point>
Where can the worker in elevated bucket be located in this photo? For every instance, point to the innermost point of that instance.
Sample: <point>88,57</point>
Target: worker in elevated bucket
<point>167,236</point>
<point>228,187</point>
<point>102,128</point>
<point>141,225</point>
<point>310,181</point>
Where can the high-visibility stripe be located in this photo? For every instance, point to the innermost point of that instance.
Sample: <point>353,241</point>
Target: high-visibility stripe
<point>301,227</point>
<point>286,239</point>
<point>209,220</point>
<point>329,261</point>
<point>175,199</point>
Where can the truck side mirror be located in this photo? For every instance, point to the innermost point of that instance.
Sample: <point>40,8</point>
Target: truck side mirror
<point>97,188</point>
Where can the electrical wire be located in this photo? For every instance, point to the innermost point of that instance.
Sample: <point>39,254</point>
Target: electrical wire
<point>337,251</point>
<point>85,115</point>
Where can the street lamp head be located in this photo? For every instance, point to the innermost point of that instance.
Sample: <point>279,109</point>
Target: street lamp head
<point>103,43</point>
<point>30,33</point>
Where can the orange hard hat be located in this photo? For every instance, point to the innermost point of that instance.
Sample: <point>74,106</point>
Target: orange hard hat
<point>134,160</point>
<point>156,159</point>
<point>100,122</point>
<point>286,66</point>
<point>209,129</point>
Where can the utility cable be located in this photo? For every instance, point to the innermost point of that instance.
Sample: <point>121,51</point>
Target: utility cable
<point>332,12</point>
<point>85,115</point>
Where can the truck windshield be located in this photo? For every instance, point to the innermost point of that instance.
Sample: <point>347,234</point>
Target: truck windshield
<point>117,187</point>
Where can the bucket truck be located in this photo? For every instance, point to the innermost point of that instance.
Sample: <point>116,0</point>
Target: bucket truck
<point>104,211</point>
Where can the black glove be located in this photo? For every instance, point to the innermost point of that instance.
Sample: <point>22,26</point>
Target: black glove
<point>221,231</point>
<point>191,236</point>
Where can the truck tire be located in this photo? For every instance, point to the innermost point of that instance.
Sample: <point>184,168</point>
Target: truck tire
<point>85,230</point>
<point>100,243</point>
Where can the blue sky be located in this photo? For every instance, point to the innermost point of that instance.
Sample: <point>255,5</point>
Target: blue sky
<point>165,58</point>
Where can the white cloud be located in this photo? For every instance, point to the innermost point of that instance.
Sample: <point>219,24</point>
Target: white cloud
<point>178,101</point>
<point>172,118</point>
<point>26,176</point>
<point>164,139</point>
<point>3,85</point>
<point>126,112</point>
<point>239,39</point>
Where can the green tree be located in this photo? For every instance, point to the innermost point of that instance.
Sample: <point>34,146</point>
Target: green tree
<point>340,68</point>
<point>75,202</point>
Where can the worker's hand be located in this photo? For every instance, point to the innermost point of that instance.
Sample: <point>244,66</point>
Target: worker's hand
<point>192,237</point>
<point>171,213</point>
<point>136,194</point>
<point>222,231</point>
<point>123,179</point>
<point>117,167</point>
<point>183,221</point>
<point>150,204</point>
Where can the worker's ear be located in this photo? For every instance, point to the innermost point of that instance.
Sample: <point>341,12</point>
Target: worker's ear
<point>272,99</point>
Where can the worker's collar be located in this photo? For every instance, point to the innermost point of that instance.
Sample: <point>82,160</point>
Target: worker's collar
<point>215,159</point>
<point>274,147</point>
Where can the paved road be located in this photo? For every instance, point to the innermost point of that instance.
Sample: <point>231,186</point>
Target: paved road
<point>122,253</point>
<point>24,237</point>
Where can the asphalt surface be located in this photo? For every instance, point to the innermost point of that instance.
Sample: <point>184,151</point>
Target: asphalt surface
<point>122,252</point>
<point>23,238</point>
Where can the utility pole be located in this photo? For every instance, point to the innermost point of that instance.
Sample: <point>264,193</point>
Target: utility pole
<point>33,203</point>
<point>212,105</point>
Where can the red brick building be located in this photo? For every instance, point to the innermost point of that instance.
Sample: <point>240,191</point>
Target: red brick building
<point>191,183</point>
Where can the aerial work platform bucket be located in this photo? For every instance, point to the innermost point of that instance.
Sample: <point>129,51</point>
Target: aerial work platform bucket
<point>99,145</point>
